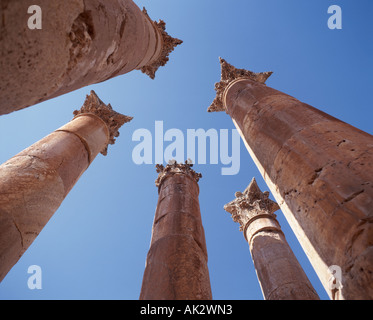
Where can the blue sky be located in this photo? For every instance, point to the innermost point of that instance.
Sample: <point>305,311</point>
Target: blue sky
<point>95,245</point>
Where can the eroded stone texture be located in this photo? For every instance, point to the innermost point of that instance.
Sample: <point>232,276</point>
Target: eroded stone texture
<point>81,42</point>
<point>176,265</point>
<point>280,275</point>
<point>34,183</point>
<point>320,171</point>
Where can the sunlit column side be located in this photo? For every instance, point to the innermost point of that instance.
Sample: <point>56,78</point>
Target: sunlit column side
<point>34,183</point>
<point>176,264</point>
<point>81,42</point>
<point>319,169</point>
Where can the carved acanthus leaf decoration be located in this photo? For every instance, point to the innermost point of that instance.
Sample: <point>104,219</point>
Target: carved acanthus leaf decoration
<point>228,74</point>
<point>113,119</point>
<point>250,203</point>
<point>175,168</point>
<point>168,45</point>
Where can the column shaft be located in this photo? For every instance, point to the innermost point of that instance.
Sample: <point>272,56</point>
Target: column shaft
<point>280,275</point>
<point>81,42</point>
<point>319,170</point>
<point>34,183</point>
<point>176,265</point>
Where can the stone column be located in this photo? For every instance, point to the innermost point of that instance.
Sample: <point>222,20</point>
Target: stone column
<point>176,265</point>
<point>34,183</point>
<point>81,42</point>
<point>319,169</point>
<point>280,275</point>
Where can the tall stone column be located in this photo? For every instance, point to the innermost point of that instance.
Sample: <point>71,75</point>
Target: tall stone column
<point>34,183</point>
<point>319,169</point>
<point>280,275</point>
<point>81,42</point>
<point>176,265</point>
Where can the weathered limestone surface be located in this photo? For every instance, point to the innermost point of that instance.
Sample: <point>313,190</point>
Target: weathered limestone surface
<point>81,42</point>
<point>280,275</point>
<point>176,265</point>
<point>34,183</point>
<point>320,171</point>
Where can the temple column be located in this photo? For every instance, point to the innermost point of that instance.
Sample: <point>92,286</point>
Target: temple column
<point>176,264</point>
<point>280,275</point>
<point>34,183</point>
<point>319,169</point>
<point>81,42</point>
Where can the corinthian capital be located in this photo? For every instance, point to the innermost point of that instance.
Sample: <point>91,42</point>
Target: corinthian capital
<point>113,119</point>
<point>175,168</point>
<point>228,74</point>
<point>168,45</point>
<point>251,203</point>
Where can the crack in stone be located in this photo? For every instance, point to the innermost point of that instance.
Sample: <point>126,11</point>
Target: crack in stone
<point>315,176</point>
<point>20,232</point>
<point>353,196</point>
<point>288,283</point>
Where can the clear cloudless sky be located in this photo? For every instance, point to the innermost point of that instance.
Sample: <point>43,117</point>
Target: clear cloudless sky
<point>95,245</point>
